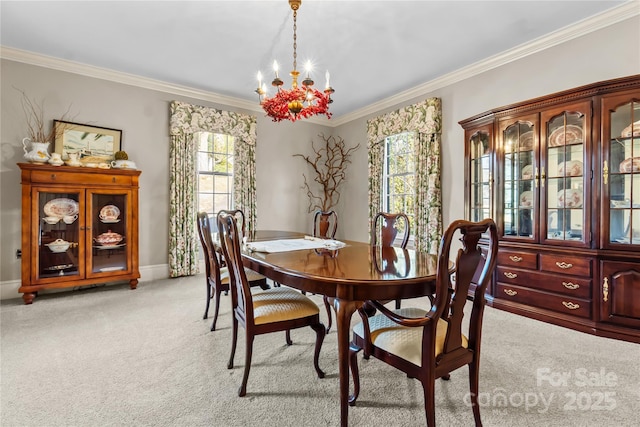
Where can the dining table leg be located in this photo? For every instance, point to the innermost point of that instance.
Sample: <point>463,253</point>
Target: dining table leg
<point>344,311</point>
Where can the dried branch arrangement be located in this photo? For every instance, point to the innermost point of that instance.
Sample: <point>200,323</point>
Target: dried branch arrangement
<point>330,166</point>
<point>36,127</point>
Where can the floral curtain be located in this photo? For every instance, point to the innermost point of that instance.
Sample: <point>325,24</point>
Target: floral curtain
<point>425,119</point>
<point>186,120</point>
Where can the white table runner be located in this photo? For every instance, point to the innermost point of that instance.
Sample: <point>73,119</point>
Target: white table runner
<point>286,245</point>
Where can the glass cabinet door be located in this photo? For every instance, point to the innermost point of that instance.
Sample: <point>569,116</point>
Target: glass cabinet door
<point>519,198</point>
<point>480,175</point>
<point>565,162</point>
<point>108,218</point>
<point>621,172</point>
<point>57,248</point>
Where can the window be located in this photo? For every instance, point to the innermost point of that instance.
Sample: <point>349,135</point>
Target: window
<point>399,188</point>
<point>215,173</point>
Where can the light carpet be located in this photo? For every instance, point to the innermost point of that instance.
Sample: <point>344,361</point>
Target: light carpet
<point>110,356</point>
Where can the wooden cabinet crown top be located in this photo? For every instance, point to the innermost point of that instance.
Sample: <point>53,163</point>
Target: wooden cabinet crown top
<point>37,173</point>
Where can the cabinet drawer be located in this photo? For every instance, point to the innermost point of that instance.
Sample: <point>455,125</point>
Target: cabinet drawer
<point>558,303</point>
<point>578,287</point>
<point>518,259</point>
<point>79,178</point>
<point>570,265</point>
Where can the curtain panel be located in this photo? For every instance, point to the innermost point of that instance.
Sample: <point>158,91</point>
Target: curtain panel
<point>186,120</point>
<point>424,118</point>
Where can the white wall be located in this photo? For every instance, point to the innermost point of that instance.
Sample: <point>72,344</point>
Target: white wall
<point>143,116</point>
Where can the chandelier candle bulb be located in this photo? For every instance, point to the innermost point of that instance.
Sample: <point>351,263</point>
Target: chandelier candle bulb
<point>308,67</point>
<point>326,76</point>
<point>275,68</point>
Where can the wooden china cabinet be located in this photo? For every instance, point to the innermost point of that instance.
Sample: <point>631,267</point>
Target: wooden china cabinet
<point>79,227</point>
<point>560,174</point>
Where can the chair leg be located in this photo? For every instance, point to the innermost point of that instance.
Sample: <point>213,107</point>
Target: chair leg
<point>353,364</point>
<point>366,333</point>
<point>328,307</point>
<point>216,310</point>
<point>234,341</point>
<point>398,303</point>
<point>287,337</point>
<point>247,365</point>
<point>206,309</point>
<point>429,386</point>
<point>473,388</point>
<point>320,333</point>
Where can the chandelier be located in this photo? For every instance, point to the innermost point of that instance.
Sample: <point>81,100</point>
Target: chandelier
<point>299,102</point>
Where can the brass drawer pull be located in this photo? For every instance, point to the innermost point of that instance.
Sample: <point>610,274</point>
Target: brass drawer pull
<point>510,275</point>
<point>570,305</point>
<point>605,289</point>
<point>570,285</point>
<point>564,265</point>
<point>515,258</point>
<point>510,292</point>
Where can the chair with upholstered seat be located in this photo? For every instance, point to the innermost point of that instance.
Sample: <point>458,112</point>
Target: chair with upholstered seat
<point>217,276</point>
<point>429,344</point>
<point>270,310</point>
<point>385,229</point>
<point>325,225</point>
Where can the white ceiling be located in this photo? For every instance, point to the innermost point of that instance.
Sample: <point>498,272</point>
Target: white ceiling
<point>373,49</point>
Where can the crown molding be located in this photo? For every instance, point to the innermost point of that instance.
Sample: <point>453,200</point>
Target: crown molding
<point>586,26</point>
<point>120,77</point>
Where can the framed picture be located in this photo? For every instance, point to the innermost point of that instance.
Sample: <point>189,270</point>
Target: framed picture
<point>88,141</point>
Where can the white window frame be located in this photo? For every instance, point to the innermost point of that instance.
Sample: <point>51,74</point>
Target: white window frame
<point>387,193</point>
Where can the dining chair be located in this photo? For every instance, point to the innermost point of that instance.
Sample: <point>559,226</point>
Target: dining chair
<point>325,225</point>
<point>217,275</point>
<point>384,233</point>
<point>266,311</point>
<point>385,229</point>
<point>427,345</point>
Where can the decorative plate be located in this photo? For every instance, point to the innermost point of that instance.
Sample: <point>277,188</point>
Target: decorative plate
<point>526,199</point>
<point>61,207</point>
<point>632,130</point>
<point>571,134</point>
<point>527,172</point>
<point>108,239</point>
<point>109,213</point>
<point>526,141</point>
<point>570,198</point>
<point>570,168</point>
<point>630,164</point>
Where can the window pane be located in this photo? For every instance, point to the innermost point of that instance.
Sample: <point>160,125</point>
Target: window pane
<point>399,175</point>
<point>215,172</point>
<point>205,183</point>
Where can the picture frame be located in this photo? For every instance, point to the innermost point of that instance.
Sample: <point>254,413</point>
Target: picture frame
<point>99,143</point>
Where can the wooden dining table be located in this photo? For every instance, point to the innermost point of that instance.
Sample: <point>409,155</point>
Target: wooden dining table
<point>348,276</point>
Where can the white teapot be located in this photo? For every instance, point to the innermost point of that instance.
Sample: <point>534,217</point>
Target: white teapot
<point>39,151</point>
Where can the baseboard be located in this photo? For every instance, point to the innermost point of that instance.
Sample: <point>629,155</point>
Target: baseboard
<point>9,288</point>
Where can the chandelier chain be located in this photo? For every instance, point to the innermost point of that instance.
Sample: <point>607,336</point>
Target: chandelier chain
<point>295,41</point>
